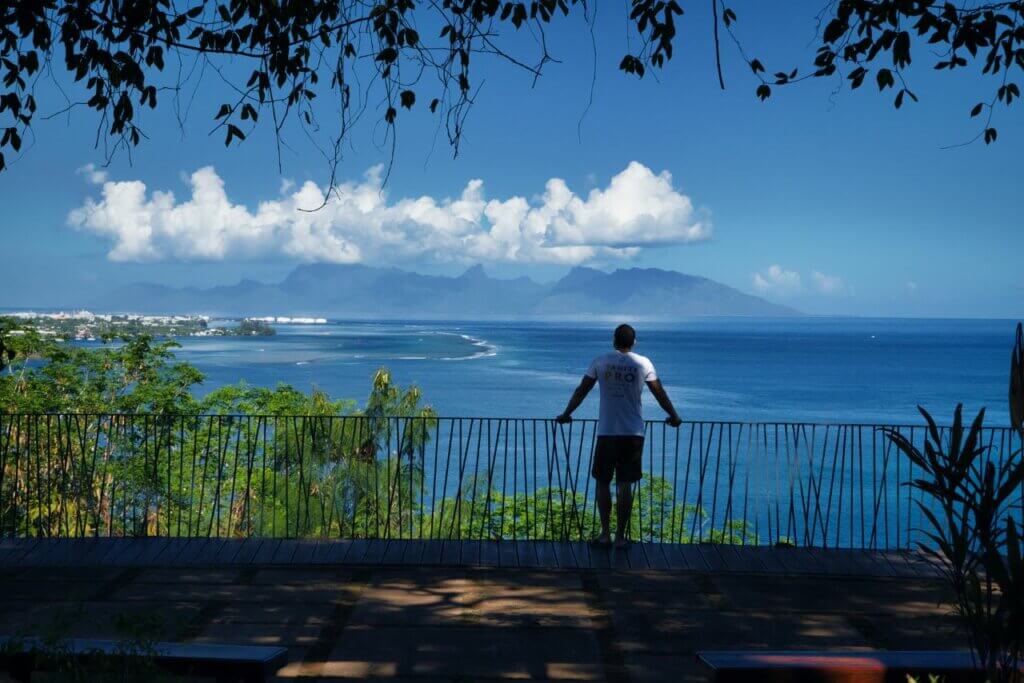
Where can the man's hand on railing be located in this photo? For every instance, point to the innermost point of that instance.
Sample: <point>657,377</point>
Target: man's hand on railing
<point>674,420</point>
<point>564,418</point>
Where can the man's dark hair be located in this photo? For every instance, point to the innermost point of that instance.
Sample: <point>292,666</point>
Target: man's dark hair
<point>625,337</point>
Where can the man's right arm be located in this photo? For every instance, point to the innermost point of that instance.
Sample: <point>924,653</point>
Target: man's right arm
<point>586,384</point>
<point>664,401</point>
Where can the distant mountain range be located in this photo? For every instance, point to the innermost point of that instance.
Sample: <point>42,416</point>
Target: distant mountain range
<point>358,291</point>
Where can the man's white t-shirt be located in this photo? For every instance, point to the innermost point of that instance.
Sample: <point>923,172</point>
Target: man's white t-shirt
<point>621,377</point>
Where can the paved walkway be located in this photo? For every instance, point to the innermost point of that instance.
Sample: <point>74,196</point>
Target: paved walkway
<point>459,623</point>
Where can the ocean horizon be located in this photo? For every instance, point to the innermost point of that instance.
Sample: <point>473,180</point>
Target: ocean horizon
<point>815,369</point>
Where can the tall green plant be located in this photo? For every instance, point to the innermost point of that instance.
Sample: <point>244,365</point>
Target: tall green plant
<point>969,501</point>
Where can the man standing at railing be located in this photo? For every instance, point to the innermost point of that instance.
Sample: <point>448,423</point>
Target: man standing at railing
<point>620,427</point>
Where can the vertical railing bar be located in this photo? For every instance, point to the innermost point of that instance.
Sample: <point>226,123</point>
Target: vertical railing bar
<point>358,493</point>
<point>155,488</point>
<point>303,490</point>
<point>718,466</point>
<point>7,428</point>
<point>588,470</point>
<point>455,506</point>
<point>664,455</point>
<point>825,522</point>
<point>44,502</point>
<point>557,469</point>
<point>754,462</point>
<point>83,477</point>
<point>287,486</point>
<point>548,446</point>
<point>810,499</point>
<point>17,470</point>
<point>251,443</point>
<point>464,462</point>
<point>273,474</point>
<point>218,472</point>
<point>320,455</point>
<point>97,521</point>
<point>72,483</point>
<point>484,424</point>
<point>533,439</point>
<point>878,487</point>
<point>731,464</point>
<point>675,490</point>
<point>13,422</point>
<point>423,476</point>
<point>842,474</point>
<point>117,428</point>
<point>791,522</point>
<point>129,429</point>
<point>803,498</point>
<point>686,486</point>
<point>515,481</point>
<point>62,486</point>
<point>387,480</point>
<point>387,476</point>
<point>697,528</point>
<point>572,480</point>
<point>203,457</point>
<point>860,459</point>
<point>567,449</point>
<point>433,485</point>
<point>261,444</point>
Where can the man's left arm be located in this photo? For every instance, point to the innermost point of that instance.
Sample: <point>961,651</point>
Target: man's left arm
<point>664,401</point>
<point>586,384</point>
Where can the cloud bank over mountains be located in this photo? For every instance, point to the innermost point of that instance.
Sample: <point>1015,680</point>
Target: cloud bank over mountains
<point>779,281</point>
<point>360,223</point>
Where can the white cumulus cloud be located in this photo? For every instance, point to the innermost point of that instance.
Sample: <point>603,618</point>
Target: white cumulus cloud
<point>828,284</point>
<point>359,222</point>
<point>777,280</point>
<point>96,176</point>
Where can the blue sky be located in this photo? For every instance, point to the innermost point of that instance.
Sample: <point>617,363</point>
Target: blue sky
<point>832,202</point>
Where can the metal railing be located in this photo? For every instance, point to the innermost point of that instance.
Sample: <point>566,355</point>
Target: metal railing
<point>839,485</point>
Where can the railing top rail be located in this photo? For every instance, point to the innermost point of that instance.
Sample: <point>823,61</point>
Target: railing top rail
<point>453,418</point>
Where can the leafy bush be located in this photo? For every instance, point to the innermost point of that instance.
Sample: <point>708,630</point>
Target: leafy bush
<point>969,501</point>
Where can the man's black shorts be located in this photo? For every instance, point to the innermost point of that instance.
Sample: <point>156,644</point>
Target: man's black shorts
<point>620,456</point>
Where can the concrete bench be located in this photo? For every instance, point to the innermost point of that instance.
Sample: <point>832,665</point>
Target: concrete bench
<point>222,662</point>
<point>859,667</point>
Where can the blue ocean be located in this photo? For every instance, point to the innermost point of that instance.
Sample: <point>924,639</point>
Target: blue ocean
<point>814,369</point>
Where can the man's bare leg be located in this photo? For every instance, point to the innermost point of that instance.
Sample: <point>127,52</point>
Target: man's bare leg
<point>604,509</point>
<point>623,509</point>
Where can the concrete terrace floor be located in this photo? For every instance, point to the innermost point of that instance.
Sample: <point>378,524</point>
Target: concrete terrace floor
<point>464,621</point>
